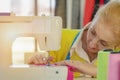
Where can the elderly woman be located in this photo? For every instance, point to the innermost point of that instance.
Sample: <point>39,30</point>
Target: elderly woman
<point>79,49</point>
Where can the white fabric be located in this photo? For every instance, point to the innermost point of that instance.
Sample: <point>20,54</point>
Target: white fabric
<point>77,47</point>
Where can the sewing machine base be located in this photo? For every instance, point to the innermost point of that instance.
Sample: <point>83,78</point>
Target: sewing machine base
<point>35,73</point>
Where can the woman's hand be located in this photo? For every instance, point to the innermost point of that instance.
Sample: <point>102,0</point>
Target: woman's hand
<point>78,66</point>
<point>39,59</point>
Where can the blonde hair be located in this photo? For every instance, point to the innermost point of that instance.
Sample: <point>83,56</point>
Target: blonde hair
<point>109,14</point>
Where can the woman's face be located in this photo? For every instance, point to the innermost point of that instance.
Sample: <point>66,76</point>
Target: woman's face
<point>99,36</point>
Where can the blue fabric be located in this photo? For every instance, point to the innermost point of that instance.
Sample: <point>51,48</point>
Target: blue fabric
<point>106,1</point>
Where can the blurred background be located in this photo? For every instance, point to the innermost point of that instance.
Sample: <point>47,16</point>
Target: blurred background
<point>75,13</point>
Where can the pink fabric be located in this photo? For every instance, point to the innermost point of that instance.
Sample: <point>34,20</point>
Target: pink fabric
<point>114,67</point>
<point>70,73</point>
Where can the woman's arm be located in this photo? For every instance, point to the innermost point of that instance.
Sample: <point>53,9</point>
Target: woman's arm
<point>85,68</point>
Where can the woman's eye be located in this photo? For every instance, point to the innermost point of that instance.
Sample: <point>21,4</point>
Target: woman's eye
<point>93,33</point>
<point>103,43</point>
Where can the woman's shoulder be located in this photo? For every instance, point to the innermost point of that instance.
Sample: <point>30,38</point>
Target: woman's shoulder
<point>68,35</point>
<point>70,32</point>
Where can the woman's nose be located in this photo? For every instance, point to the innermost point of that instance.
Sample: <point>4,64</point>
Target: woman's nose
<point>94,43</point>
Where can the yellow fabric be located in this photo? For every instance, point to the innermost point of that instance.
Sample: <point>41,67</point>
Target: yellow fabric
<point>76,57</point>
<point>67,40</point>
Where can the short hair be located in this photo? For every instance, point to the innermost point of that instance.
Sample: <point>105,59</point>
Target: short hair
<point>109,14</point>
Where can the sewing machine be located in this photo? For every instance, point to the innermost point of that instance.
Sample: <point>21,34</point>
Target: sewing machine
<point>46,32</point>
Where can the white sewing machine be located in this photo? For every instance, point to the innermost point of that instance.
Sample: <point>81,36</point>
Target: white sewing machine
<point>45,30</point>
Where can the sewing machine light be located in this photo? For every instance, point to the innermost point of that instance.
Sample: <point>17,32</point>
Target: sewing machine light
<point>20,66</point>
<point>20,46</point>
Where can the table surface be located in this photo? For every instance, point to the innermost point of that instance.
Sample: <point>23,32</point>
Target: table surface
<point>85,78</point>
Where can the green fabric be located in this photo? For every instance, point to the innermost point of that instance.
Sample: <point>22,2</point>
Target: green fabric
<point>102,65</point>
